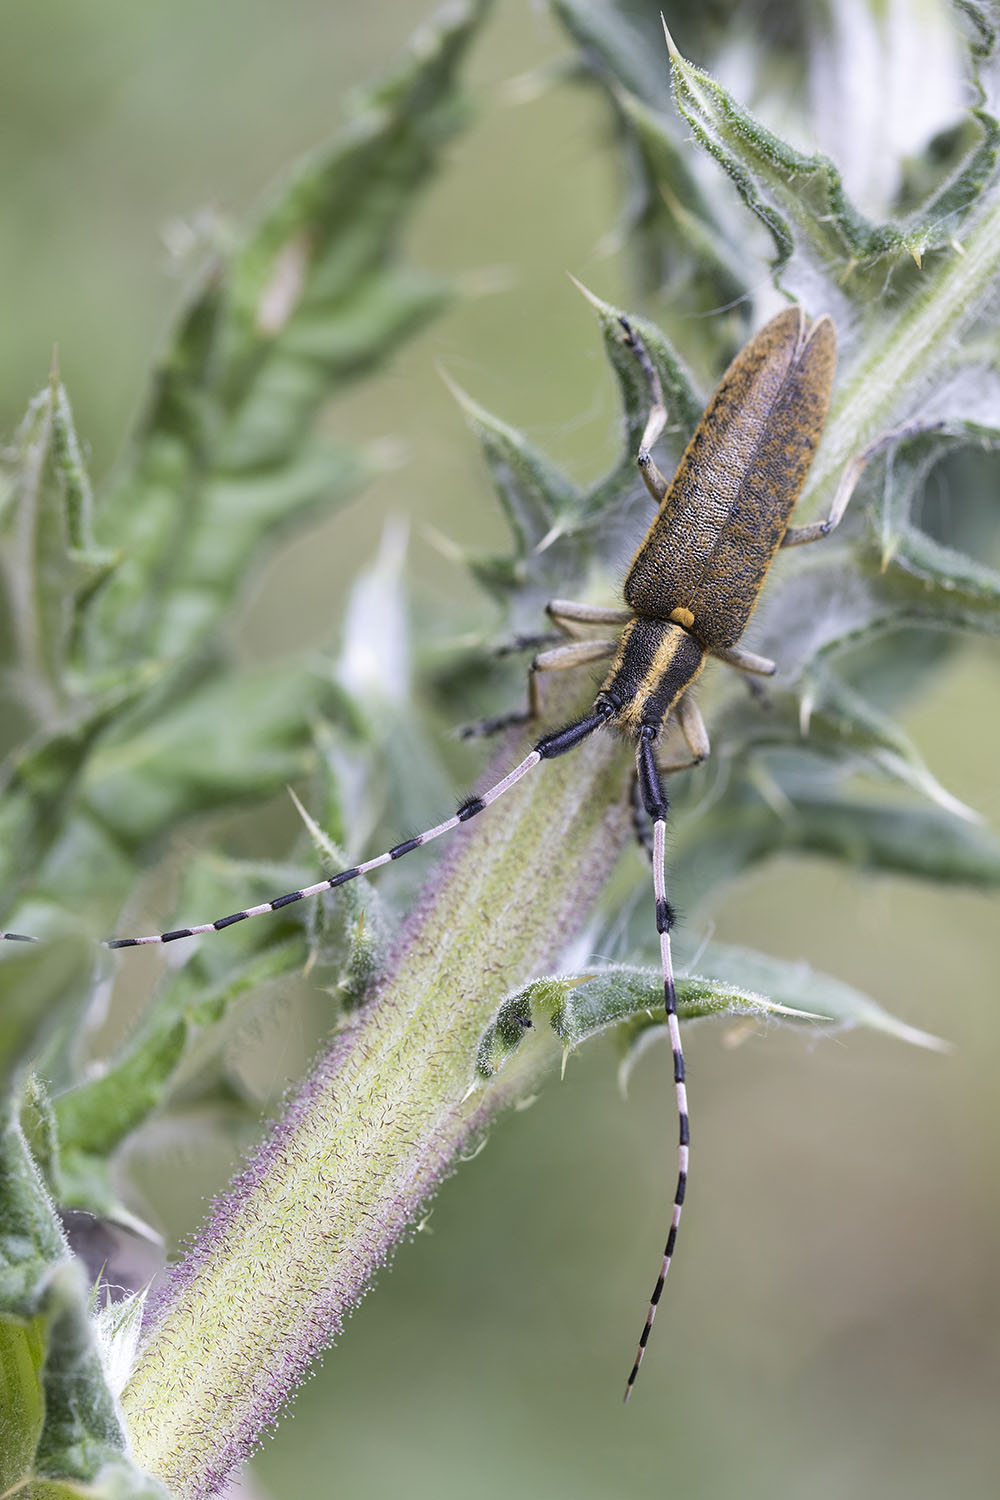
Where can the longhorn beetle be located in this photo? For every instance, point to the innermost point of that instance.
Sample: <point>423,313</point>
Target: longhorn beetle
<point>689,593</point>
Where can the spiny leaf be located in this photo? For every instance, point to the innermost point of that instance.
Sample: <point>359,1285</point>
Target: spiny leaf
<point>223,460</point>
<point>314,298</point>
<point>537,500</point>
<point>743,827</point>
<point>580,1006</point>
<point>225,742</point>
<point>50,566</point>
<point>683,402</point>
<point>562,534</point>
<point>97,1115</point>
<point>678,240</point>
<point>816,216</point>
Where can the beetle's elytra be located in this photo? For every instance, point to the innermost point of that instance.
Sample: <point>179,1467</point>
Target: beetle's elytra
<point>726,510</point>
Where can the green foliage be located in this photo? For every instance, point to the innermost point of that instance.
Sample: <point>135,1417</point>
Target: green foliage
<point>629,1000</point>
<point>60,1434</point>
<point>123,713</point>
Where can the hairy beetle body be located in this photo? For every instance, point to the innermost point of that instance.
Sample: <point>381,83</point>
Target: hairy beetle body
<point>705,557</point>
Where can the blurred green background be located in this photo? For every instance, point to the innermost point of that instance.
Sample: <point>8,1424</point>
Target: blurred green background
<point>831,1326</point>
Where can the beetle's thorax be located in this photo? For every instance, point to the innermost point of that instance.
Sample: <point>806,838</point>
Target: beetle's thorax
<point>657,661</point>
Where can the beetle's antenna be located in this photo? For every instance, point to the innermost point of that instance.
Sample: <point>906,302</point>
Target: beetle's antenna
<point>468,809</point>
<point>548,746</point>
<point>655,801</point>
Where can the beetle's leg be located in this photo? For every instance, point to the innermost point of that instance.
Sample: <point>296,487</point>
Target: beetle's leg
<point>515,644</point>
<point>692,726</point>
<point>564,650</point>
<point>561,658</point>
<point>797,536</point>
<point>641,831</point>
<point>566,615</point>
<point>657,419</point>
<point>746,661</point>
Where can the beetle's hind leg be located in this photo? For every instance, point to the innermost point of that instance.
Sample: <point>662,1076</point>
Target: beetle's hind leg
<point>814,531</point>
<point>657,419</point>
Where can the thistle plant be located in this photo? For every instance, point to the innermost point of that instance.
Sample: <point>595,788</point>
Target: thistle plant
<point>124,717</point>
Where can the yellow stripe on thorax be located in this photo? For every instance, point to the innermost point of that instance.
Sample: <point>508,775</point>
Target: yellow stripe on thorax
<point>662,660</point>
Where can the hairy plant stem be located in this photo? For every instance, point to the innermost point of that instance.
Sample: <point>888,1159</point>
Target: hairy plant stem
<point>912,351</point>
<point>376,1127</point>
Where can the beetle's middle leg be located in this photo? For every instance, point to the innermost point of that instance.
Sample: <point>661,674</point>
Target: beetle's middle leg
<point>561,658</point>
<point>566,615</point>
<point>746,661</point>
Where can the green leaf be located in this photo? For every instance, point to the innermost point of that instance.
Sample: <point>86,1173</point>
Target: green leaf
<point>753,822</point>
<point>736,982</point>
<point>135,718</point>
<point>97,1116</point>
<point>40,779</point>
<point>815,215</point>
<point>50,567</point>
<point>61,1432</point>
<point>225,742</point>
<point>314,298</point>
<point>678,241</point>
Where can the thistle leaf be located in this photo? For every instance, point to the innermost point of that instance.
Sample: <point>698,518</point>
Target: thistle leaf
<point>311,301</point>
<point>629,1001</point>
<point>62,1435</point>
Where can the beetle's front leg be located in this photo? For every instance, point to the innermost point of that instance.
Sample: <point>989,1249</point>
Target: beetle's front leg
<point>692,726</point>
